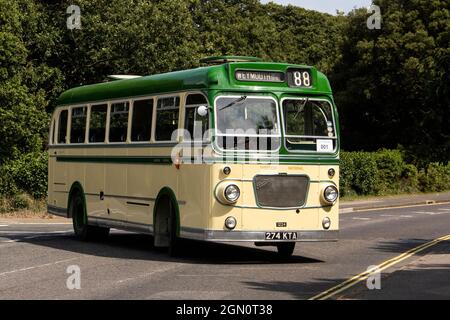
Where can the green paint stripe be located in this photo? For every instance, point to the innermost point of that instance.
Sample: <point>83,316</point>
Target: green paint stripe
<point>116,159</point>
<point>168,160</point>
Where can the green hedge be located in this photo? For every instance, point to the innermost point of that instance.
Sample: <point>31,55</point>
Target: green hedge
<point>385,172</point>
<point>27,174</point>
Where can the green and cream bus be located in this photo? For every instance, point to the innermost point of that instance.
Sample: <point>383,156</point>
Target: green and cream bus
<point>238,150</point>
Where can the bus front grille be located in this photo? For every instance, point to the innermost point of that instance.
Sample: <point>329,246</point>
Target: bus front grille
<point>281,191</point>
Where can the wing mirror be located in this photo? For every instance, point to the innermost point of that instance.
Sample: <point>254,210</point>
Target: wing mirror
<point>202,111</point>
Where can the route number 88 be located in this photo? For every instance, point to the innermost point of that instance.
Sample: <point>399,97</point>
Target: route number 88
<point>302,79</point>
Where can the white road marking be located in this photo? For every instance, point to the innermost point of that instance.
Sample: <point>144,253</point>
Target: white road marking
<point>208,275</point>
<point>182,294</point>
<point>35,267</point>
<point>3,225</point>
<point>361,218</point>
<point>386,215</point>
<point>147,274</point>
<point>405,216</point>
<point>444,209</point>
<point>364,201</point>
<point>399,207</point>
<point>32,232</point>
<point>428,212</point>
<point>43,234</point>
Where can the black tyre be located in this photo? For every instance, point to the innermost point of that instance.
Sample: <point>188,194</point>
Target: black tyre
<point>174,241</point>
<point>82,230</point>
<point>286,249</point>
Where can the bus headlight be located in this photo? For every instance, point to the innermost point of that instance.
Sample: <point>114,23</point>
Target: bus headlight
<point>330,194</point>
<point>232,193</point>
<point>230,223</point>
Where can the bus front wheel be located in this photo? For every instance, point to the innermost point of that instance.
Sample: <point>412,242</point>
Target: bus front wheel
<point>286,249</point>
<point>82,230</point>
<point>166,225</point>
<point>174,241</point>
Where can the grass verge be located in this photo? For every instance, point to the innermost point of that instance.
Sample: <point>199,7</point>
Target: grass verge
<point>23,206</point>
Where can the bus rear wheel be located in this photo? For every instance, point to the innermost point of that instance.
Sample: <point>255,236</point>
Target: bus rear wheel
<point>286,249</point>
<point>82,230</point>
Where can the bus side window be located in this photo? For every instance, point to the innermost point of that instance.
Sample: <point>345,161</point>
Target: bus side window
<point>118,122</point>
<point>78,125</point>
<point>97,125</point>
<point>167,111</point>
<point>62,127</point>
<point>193,120</point>
<point>141,124</point>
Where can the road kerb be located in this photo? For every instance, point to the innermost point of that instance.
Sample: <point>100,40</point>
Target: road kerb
<point>397,206</point>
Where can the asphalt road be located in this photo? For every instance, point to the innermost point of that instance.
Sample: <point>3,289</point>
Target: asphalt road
<point>34,259</point>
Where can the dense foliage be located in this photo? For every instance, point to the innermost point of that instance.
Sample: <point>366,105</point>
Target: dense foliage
<point>386,172</point>
<point>391,85</point>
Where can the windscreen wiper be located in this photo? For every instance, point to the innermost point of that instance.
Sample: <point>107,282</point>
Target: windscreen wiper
<point>241,99</point>
<point>301,108</point>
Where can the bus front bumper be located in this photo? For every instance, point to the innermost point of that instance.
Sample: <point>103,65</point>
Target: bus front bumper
<point>257,236</point>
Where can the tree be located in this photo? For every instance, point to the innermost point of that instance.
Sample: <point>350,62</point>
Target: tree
<point>117,37</point>
<point>392,84</point>
<point>23,79</point>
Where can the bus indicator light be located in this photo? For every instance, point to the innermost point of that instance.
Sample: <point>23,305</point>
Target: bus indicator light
<point>331,172</point>
<point>326,223</point>
<point>230,223</point>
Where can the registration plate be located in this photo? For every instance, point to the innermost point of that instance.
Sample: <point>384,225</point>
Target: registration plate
<point>281,235</point>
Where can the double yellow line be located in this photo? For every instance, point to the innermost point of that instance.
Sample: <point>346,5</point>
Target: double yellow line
<point>382,266</point>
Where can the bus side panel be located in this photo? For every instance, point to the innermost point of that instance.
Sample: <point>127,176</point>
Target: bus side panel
<point>52,200</point>
<point>115,185</point>
<point>194,187</point>
<point>59,180</point>
<point>146,180</point>
<point>94,184</point>
<point>141,186</point>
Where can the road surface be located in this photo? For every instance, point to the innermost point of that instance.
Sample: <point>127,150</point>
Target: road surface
<point>34,260</point>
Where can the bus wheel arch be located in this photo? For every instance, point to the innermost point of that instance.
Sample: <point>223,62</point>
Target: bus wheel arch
<point>78,212</point>
<point>166,220</point>
<point>75,189</point>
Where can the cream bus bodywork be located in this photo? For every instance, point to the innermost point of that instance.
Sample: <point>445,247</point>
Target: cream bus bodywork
<point>122,182</point>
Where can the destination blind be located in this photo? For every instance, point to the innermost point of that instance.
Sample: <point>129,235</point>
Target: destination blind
<point>260,76</point>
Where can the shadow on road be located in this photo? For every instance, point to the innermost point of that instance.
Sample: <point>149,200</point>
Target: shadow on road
<point>403,245</point>
<point>419,279</point>
<point>430,283</point>
<point>139,246</point>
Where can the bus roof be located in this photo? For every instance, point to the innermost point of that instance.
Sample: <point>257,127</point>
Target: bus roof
<point>215,77</point>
